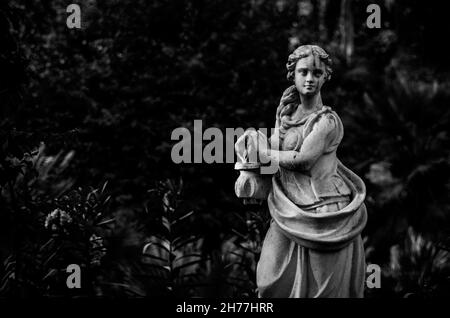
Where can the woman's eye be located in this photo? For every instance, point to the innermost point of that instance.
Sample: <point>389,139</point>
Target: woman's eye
<point>302,72</point>
<point>318,73</point>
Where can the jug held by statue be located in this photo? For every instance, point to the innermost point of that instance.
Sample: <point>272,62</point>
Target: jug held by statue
<point>251,186</point>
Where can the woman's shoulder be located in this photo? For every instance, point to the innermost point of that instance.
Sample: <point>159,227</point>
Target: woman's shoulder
<point>332,125</point>
<point>325,119</point>
<point>328,113</point>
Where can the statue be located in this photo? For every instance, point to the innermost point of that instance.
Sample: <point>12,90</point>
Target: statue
<point>313,247</point>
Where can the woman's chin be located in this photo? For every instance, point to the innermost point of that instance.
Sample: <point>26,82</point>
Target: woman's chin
<point>309,93</point>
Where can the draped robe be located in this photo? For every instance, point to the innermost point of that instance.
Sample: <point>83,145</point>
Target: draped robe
<point>313,247</point>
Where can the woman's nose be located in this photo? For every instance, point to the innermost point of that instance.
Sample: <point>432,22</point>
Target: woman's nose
<point>309,77</point>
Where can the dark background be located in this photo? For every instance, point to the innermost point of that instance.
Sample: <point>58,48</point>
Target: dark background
<point>86,175</point>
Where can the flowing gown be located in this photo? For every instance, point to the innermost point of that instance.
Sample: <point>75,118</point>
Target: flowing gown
<point>313,247</point>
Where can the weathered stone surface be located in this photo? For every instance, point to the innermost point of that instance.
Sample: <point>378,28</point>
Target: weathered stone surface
<point>313,247</point>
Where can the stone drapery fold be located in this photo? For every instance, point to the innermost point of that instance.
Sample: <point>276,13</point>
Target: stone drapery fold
<point>321,231</point>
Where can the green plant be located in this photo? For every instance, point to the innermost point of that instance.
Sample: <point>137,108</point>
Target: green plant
<point>418,267</point>
<point>172,255</point>
<point>241,251</point>
<point>55,225</point>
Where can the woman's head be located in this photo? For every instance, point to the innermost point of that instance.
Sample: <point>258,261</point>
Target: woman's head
<point>309,66</point>
<point>317,53</point>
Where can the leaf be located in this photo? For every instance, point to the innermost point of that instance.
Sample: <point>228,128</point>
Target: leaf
<point>155,257</point>
<point>237,254</point>
<point>8,275</point>
<point>164,244</point>
<point>183,217</point>
<point>239,234</point>
<point>50,258</point>
<point>180,186</point>
<point>106,222</point>
<point>51,273</point>
<point>158,266</point>
<point>166,223</point>
<point>245,248</point>
<point>6,279</point>
<point>9,265</point>
<point>187,256</point>
<point>166,205</point>
<point>9,259</point>
<point>178,239</point>
<point>177,268</point>
<point>104,187</point>
<point>107,200</point>
<point>185,242</point>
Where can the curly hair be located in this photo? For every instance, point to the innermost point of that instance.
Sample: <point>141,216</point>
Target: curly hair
<point>291,98</point>
<point>305,51</point>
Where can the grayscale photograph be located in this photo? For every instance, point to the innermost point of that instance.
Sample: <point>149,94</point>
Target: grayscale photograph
<point>247,151</point>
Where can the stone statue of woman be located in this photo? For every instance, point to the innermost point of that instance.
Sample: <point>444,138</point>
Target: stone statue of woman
<point>313,247</point>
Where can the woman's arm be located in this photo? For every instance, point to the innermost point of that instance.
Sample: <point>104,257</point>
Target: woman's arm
<point>312,148</point>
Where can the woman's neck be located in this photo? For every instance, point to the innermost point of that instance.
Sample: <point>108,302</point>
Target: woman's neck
<point>311,103</point>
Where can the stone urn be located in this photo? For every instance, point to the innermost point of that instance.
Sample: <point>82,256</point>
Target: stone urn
<point>251,186</point>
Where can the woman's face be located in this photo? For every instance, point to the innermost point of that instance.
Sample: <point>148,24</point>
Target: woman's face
<point>310,74</point>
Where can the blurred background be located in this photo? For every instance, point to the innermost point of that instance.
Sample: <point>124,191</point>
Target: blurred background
<point>86,175</point>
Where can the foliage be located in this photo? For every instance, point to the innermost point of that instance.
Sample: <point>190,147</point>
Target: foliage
<point>55,225</point>
<point>242,250</point>
<point>418,267</point>
<point>173,255</point>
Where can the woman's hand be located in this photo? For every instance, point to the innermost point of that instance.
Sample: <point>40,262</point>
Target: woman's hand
<point>247,147</point>
<point>263,149</point>
<point>253,146</point>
